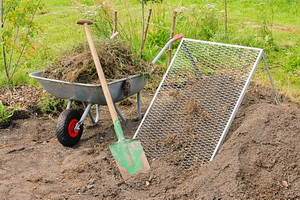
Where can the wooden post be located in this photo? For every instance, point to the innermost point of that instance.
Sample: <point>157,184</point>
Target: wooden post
<point>171,36</point>
<point>115,21</point>
<point>145,31</point>
<point>225,18</point>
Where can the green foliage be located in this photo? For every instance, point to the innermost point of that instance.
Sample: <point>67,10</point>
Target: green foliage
<point>17,34</point>
<point>101,15</point>
<point>266,21</point>
<point>293,65</point>
<point>51,105</point>
<point>58,3</point>
<point>208,21</point>
<point>5,113</point>
<point>271,25</point>
<point>158,38</point>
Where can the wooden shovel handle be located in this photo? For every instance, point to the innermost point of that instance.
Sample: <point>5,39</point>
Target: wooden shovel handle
<point>102,79</point>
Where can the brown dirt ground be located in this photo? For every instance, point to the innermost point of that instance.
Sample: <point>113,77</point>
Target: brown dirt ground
<point>258,160</point>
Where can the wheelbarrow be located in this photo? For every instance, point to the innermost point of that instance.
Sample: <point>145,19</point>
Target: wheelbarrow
<point>70,122</point>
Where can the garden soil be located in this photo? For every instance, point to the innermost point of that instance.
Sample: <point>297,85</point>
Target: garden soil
<point>258,160</point>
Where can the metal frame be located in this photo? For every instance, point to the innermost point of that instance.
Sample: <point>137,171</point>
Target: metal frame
<point>156,93</point>
<point>236,104</point>
<point>87,112</point>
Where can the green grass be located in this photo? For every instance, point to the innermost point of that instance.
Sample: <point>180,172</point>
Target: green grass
<point>272,25</point>
<point>58,32</point>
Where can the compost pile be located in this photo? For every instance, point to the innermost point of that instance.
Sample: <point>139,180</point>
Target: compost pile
<point>116,58</point>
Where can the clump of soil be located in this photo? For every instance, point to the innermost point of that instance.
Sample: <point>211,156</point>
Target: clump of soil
<point>5,123</point>
<point>116,58</point>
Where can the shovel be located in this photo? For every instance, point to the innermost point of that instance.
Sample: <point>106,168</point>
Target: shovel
<point>129,154</point>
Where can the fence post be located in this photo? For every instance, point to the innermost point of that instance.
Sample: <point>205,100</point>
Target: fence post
<point>145,31</point>
<point>225,18</point>
<point>115,21</point>
<point>171,36</point>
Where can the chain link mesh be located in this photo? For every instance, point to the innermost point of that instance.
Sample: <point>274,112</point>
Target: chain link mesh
<point>195,101</point>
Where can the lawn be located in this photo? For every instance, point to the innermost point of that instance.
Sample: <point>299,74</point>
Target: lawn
<point>272,25</point>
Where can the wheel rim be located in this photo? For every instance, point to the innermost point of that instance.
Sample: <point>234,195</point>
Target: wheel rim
<point>71,127</point>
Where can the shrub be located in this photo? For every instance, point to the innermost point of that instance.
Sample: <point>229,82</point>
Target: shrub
<point>17,33</point>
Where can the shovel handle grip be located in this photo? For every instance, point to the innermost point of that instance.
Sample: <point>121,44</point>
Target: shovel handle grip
<point>84,21</point>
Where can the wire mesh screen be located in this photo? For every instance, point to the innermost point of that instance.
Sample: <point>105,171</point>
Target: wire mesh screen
<point>196,101</point>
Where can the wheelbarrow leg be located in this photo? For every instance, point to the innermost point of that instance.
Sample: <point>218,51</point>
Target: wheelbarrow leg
<point>85,113</point>
<point>119,113</point>
<point>97,113</point>
<point>69,104</point>
<point>139,108</point>
<point>88,112</point>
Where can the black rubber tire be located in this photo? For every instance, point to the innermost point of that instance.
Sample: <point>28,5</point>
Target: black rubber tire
<point>67,119</point>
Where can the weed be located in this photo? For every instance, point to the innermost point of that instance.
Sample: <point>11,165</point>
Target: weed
<point>5,113</point>
<point>51,105</point>
<point>293,65</point>
<point>100,13</point>
<point>266,20</point>
<point>209,23</point>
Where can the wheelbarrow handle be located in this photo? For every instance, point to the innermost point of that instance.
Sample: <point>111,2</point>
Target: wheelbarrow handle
<point>177,37</point>
<point>114,35</point>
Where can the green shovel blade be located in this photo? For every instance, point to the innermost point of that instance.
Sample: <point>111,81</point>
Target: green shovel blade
<point>130,157</point>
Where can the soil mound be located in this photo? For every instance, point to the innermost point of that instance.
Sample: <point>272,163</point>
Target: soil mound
<point>258,160</point>
<point>116,58</point>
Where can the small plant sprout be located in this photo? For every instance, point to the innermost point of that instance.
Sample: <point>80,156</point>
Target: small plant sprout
<point>5,114</point>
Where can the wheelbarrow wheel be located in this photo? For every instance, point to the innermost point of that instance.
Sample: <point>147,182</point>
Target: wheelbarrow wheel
<point>65,132</point>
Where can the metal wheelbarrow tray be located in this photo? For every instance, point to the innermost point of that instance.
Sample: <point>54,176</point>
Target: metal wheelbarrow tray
<point>91,93</point>
<point>70,122</point>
